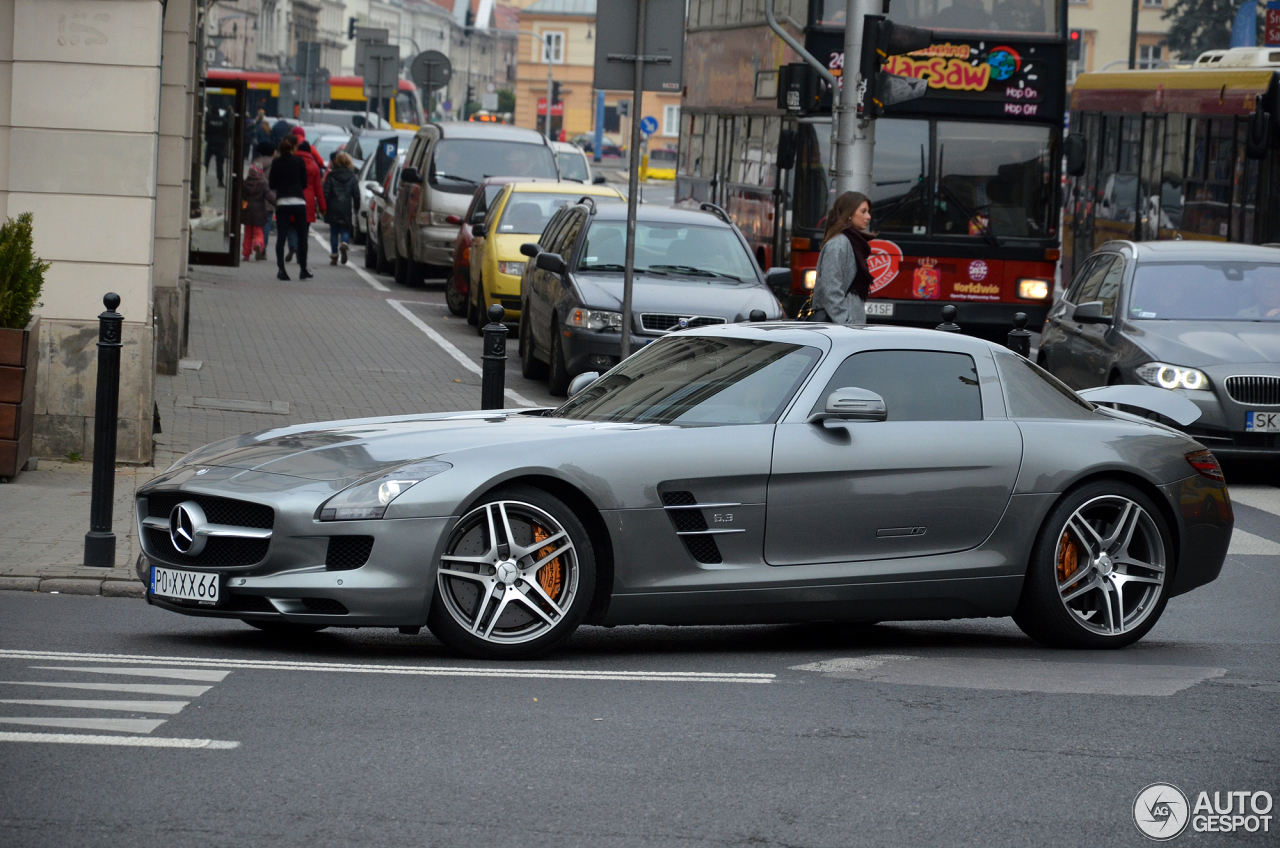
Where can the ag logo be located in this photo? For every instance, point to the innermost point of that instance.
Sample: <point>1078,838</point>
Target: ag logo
<point>1160,811</point>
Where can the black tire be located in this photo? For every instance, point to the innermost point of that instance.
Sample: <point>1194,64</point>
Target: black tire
<point>473,314</point>
<point>284,628</point>
<point>522,611</point>
<point>416,273</point>
<point>531,366</point>
<point>370,255</point>
<point>402,271</point>
<point>455,299</point>
<point>558,376</point>
<point>1128,566</point>
<point>359,236</point>
<point>482,311</point>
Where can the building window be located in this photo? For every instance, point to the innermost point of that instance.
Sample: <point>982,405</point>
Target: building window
<point>671,120</point>
<point>1153,4</point>
<point>1150,56</point>
<point>1080,2</point>
<point>554,40</point>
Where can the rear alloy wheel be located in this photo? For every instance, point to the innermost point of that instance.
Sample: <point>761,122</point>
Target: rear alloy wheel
<point>557,371</point>
<point>454,296</point>
<point>516,577</point>
<point>531,367</point>
<point>1099,573</point>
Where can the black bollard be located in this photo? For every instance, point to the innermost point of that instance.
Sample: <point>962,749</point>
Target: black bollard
<point>493,362</point>
<point>100,542</point>
<point>1019,337</point>
<point>756,316</point>
<point>948,324</point>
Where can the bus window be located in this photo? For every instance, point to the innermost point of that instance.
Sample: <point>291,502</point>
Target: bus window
<point>983,15</point>
<point>899,188</point>
<point>407,109</point>
<point>814,190</point>
<point>994,178</point>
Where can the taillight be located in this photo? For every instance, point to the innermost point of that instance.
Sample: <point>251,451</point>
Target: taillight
<point>1206,465</point>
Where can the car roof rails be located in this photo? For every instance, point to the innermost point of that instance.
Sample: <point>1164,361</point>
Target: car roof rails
<point>590,201</point>
<point>717,211</point>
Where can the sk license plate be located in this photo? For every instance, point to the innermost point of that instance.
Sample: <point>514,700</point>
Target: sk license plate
<point>1262,422</point>
<point>885,310</point>
<point>197,586</point>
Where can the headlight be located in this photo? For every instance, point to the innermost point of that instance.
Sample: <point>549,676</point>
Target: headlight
<point>1173,377</point>
<point>514,268</point>
<point>440,219</point>
<point>810,278</point>
<point>595,319</point>
<point>369,498</point>
<point>1030,288</point>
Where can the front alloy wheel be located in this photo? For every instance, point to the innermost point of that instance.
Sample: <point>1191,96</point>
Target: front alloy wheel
<point>516,577</point>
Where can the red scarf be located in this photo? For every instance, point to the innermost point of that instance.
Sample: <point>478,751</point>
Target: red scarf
<point>861,282</point>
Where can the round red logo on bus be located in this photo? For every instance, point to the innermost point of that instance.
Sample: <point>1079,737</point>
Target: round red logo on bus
<point>977,270</point>
<point>883,263</point>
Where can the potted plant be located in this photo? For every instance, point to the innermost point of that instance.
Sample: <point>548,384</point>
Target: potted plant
<point>21,279</point>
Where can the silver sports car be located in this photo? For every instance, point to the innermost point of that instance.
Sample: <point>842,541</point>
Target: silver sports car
<point>762,472</point>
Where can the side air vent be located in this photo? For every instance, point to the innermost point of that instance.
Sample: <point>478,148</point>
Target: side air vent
<point>347,552</point>
<point>686,515</point>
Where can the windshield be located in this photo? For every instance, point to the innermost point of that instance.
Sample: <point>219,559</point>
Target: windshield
<point>697,381</point>
<point>1206,291</point>
<point>979,15</point>
<point>328,145</point>
<point>573,166</point>
<point>529,212</point>
<point>669,249</point>
<point>458,165</point>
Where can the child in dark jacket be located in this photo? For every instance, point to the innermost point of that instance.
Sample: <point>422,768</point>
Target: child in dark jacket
<point>341,194</point>
<point>253,212</point>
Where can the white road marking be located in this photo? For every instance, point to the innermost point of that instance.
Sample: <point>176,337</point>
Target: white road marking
<point>428,671</point>
<point>124,725</point>
<point>137,688</point>
<point>1249,544</point>
<point>449,348</point>
<point>1265,498</point>
<point>127,741</point>
<point>163,707</point>
<point>178,673</point>
<point>848,664</point>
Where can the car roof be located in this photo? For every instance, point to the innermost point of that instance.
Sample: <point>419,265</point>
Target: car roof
<point>848,337</point>
<point>564,187</point>
<point>495,132</point>
<point>655,213</point>
<point>1194,250</point>
<point>566,147</point>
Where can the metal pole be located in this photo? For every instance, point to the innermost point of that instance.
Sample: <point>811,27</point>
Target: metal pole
<point>855,138</point>
<point>493,362</point>
<point>1133,36</point>
<point>598,145</point>
<point>100,542</point>
<point>546,50</point>
<point>633,180</point>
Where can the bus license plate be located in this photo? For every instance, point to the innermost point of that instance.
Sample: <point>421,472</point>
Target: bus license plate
<point>884,310</point>
<point>1262,422</point>
<point>199,586</point>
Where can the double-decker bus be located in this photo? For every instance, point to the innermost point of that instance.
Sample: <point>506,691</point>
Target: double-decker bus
<point>404,111</point>
<point>967,186</point>
<point>1168,153</point>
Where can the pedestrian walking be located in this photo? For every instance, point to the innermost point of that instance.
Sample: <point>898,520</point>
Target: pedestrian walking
<point>289,181</point>
<point>253,212</point>
<point>844,280</point>
<point>340,194</point>
<point>315,182</point>
<point>255,132</point>
<point>300,135</point>
<point>264,155</point>
<point>216,125</point>
<point>279,130</point>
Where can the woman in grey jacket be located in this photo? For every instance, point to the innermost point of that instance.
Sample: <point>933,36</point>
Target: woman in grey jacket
<point>843,280</point>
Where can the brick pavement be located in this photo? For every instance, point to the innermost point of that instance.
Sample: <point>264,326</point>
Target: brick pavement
<point>328,348</point>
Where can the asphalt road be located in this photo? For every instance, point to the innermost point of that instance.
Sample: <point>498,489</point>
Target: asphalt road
<point>947,733</point>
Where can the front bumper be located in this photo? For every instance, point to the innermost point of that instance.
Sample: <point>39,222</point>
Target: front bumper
<point>1222,421</point>
<point>596,350</point>
<point>434,245</point>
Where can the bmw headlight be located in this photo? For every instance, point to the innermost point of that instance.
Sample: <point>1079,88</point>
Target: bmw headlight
<point>1168,376</point>
<point>595,319</point>
<point>369,498</point>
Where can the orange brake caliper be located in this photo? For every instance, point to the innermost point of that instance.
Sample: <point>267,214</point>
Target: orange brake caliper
<point>1068,558</point>
<point>551,575</point>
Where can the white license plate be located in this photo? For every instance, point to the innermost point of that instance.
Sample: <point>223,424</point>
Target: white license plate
<point>198,586</point>
<point>1262,422</point>
<point>885,310</point>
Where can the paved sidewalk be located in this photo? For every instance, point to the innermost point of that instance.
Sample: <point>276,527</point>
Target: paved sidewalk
<point>263,353</point>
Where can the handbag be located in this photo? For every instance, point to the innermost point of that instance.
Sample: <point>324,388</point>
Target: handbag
<point>808,312</point>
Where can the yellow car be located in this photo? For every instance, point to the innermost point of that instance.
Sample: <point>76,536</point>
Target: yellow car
<point>660,165</point>
<point>517,215</point>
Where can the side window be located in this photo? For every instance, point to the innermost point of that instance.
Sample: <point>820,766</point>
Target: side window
<point>1109,288</point>
<point>551,234</point>
<point>917,385</point>
<point>569,236</point>
<point>1078,282</point>
<point>485,212</point>
<point>415,148</point>
<point>1088,290</point>
<point>1031,392</point>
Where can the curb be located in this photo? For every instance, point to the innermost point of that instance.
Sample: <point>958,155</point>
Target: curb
<point>74,586</point>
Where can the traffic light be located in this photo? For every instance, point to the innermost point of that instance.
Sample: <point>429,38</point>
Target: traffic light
<point>471,21</point>
<point>351,29</point>
<point>801,91</point>
<point>555,91</point>
<point>882,39</point>
<point>1075,46</point>
<point>624,108</point>
<point>471,94</point>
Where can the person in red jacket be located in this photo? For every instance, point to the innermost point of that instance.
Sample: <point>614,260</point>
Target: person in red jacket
<point>315,185</point>
<point>301,135</point>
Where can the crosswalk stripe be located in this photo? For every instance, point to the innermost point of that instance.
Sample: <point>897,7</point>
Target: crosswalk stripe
<point>177,673</point>
<point>127,741</point>
<point>165,707</point>
<point>1243,543</point>
<point>136,688</point>
<point>124,725</point>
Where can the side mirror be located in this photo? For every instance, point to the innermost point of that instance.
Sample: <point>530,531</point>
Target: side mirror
<point>410,175</point>
<point>1090,313</point>
<point>779,281</point>
<point>852,404</point>
<point>598,179</point>
<point>377,189</point>
<point>477,230</point>
<point>580,382</point>
<point>530,249</point>
<point>452,219</point>
<point>787,149</point>
<point>1076,147</point>
<point>552,262</point>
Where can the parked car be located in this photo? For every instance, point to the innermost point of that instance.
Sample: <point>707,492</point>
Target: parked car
<point>1198,318</point>
<point>692,269</point>
<point>365,147</point>
<point>741,474</point>
<point>520,211</point>
<point>445,164</point>
<point>573,164</point>
<point>458,287</point>
<point>587,142</point>
<point>662,164</point>
<point>327,145</point>
<point>378,252</point>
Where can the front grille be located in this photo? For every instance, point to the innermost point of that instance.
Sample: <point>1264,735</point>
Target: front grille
<point>324,606</point>
<point>510,303</point>
<point>347,552</point>
<point>702,548</point>
<point>217,510</point>
<point>656,322</point>
<point>219,551</point>
<point>247,603</point>
<point>1256,390</point>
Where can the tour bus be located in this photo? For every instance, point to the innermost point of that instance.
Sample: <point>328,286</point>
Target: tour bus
<point>967,180</point>
<point>1168,154</point>
<point>404,111</point>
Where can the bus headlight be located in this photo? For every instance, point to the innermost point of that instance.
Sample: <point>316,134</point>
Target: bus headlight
<point>810,278</point>
<point>1173,377</point>
<point>1031,288</point>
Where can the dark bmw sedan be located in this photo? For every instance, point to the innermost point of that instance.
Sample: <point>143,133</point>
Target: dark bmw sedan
<point>692,269</point>
<point>1198,318</point>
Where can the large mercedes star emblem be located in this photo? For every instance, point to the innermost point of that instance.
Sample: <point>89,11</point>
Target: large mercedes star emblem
<point>186,522</point>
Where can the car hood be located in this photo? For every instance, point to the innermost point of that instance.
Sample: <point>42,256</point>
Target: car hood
<point>1201,344</point>
<point>679,296</point>
<point>343,450</point>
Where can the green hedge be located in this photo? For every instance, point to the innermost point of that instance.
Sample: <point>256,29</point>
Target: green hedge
<point>21,273</point>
